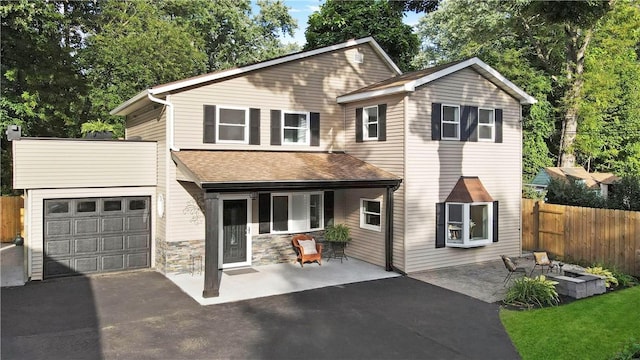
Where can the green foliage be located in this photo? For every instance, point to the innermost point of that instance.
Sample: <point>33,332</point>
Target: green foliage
<point>591,328</point>
<point>96,126</point>
<point>337,233</point>
<point>338,21</point>
<point>630,351</point>
<point>625,194</point>
<point>624,280</point>
<point>610,280</point>
<point>573,193</point>
<point>532,292</point>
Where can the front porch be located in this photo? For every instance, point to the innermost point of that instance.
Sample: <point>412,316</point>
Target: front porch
<point>276,279</point>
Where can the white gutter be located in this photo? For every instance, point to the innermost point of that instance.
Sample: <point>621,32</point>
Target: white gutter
<point>170,124</point>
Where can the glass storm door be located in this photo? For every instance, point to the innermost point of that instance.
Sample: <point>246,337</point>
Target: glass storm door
<point>235,218</point>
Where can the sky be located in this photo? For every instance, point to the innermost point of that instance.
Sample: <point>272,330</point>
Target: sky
<point>302,9</point>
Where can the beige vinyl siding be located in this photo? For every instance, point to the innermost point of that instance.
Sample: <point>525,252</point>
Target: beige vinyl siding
<point>150,123</point>
<point>310,85</point>
<point>433,168</point>
<point>387,155</point>
<point>34,203</point>
<point>69,163</point>
<point>366,244</point>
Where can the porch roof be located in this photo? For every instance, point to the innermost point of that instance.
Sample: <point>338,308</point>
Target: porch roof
<point>228,170</point>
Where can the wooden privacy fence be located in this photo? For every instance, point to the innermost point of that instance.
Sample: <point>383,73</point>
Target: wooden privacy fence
<point>610,237</point>
<point>11,217</point>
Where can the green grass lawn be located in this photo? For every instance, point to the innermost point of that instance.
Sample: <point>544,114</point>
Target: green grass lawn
<point>592,328</point>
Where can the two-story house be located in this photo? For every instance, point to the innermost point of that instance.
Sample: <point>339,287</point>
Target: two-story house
<point>424,168</point>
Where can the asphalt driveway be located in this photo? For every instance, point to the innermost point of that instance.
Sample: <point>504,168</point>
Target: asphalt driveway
<point>142,315</point>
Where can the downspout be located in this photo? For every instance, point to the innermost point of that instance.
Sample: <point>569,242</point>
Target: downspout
<point>170,124</point>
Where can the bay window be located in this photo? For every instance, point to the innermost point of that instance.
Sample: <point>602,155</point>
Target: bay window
<point>469,224</point>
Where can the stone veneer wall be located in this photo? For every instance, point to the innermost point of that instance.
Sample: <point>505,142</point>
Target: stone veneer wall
<point>181,256</point>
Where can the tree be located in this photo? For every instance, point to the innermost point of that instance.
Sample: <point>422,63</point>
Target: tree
<point>134,47</point>
<point>609,134</point>
<point>42,85</point>
<point>573,193</point>
<point>231,35</point>
<point>625,194</point>
<point>339,21</point>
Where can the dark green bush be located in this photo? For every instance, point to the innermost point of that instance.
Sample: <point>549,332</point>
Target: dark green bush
<point>630,351</point>
<point>532,292</point>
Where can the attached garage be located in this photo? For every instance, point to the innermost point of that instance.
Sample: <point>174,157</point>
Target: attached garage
<point>95,235</point>
<point>90,205</point>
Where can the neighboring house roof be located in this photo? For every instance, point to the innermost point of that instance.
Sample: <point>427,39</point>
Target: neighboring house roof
<point>591,180</point>
<point>469,189</point>
<point>224,169</point>
<point>410,81</point>
<point>180,85</point>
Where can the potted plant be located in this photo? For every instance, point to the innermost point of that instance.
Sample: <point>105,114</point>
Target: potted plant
<point>97,130</point>
<point>337,236</point>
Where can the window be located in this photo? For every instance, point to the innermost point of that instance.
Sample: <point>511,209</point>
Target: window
<point>486,124</point>
<point>450,122</point>
<point>370,123</point>
<point>469,224</point>
<point>233,125</point>
<point>295,127</point>
<point>86,206</point>
<point>370,214</point>
<point>296,212</point>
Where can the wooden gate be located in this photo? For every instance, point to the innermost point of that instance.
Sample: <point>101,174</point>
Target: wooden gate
<point>11,217</point>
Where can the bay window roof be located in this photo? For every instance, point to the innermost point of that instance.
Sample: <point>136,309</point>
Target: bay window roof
<point>469,189</point>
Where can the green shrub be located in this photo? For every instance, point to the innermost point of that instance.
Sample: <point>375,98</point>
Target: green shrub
<point>96,126</point>
<point>629,352</point>
<point>599,270</point>
<point>624,280</point>
<point>532,292</point>
<point>337,233</point>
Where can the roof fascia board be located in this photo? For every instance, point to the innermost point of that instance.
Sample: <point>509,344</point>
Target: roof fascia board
<point>268,63</point>
<point>119,110</point>
<point>372,94</point>
<point>299,185</point>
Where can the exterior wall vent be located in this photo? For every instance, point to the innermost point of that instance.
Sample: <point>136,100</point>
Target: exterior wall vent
<point>358,57</point>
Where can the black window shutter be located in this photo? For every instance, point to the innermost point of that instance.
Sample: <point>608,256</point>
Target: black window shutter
<point>359,125</point>
<point>254,126</point>
<point>498,119</point>
<point>328,208</point>
<point>495,221</point>
<point>276,123</point>
<point>464,122</point>
<point>440,225</point>
<point>382,122</point>
<point>264,213</point>
<point>436,124</point>
<point>472,124</point>
<point>209,124</point>
<point>314,126</point>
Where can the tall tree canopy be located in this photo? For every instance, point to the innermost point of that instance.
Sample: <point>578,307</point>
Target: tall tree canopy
<point>545,48</point>
<point>67,62</point>
<point>338,21</point>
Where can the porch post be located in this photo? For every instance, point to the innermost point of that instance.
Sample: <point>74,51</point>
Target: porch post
<point>211,279</point>
<point>388,234</point>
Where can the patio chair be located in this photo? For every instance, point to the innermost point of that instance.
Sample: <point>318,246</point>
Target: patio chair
<point>542,259</point>
<point>512,267</point>
<point>307,249</point>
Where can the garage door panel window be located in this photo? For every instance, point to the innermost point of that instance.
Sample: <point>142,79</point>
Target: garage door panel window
<point>88,206</point>
<point>57,207</point>
<point>110,206</point>
<point>137,205</point>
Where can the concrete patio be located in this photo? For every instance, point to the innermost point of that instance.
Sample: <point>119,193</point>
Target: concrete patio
<point>277,279</point>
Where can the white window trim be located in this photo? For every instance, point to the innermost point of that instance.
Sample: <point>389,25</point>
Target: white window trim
<point>492,125</point>
<point>366,123</point>
<point>246,124</point>
<point>466,242</point>
<point>289,196</point>
<point>442,122</point>
<point>307,136</point>
<point>363,218</point>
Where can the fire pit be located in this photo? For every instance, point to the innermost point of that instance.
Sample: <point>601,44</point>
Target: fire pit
<point>578,284</point>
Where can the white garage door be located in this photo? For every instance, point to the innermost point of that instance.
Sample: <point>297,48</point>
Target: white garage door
<point>95,235</point>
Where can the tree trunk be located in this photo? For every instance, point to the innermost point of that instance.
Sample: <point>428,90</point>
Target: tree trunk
<point>575,53</point>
